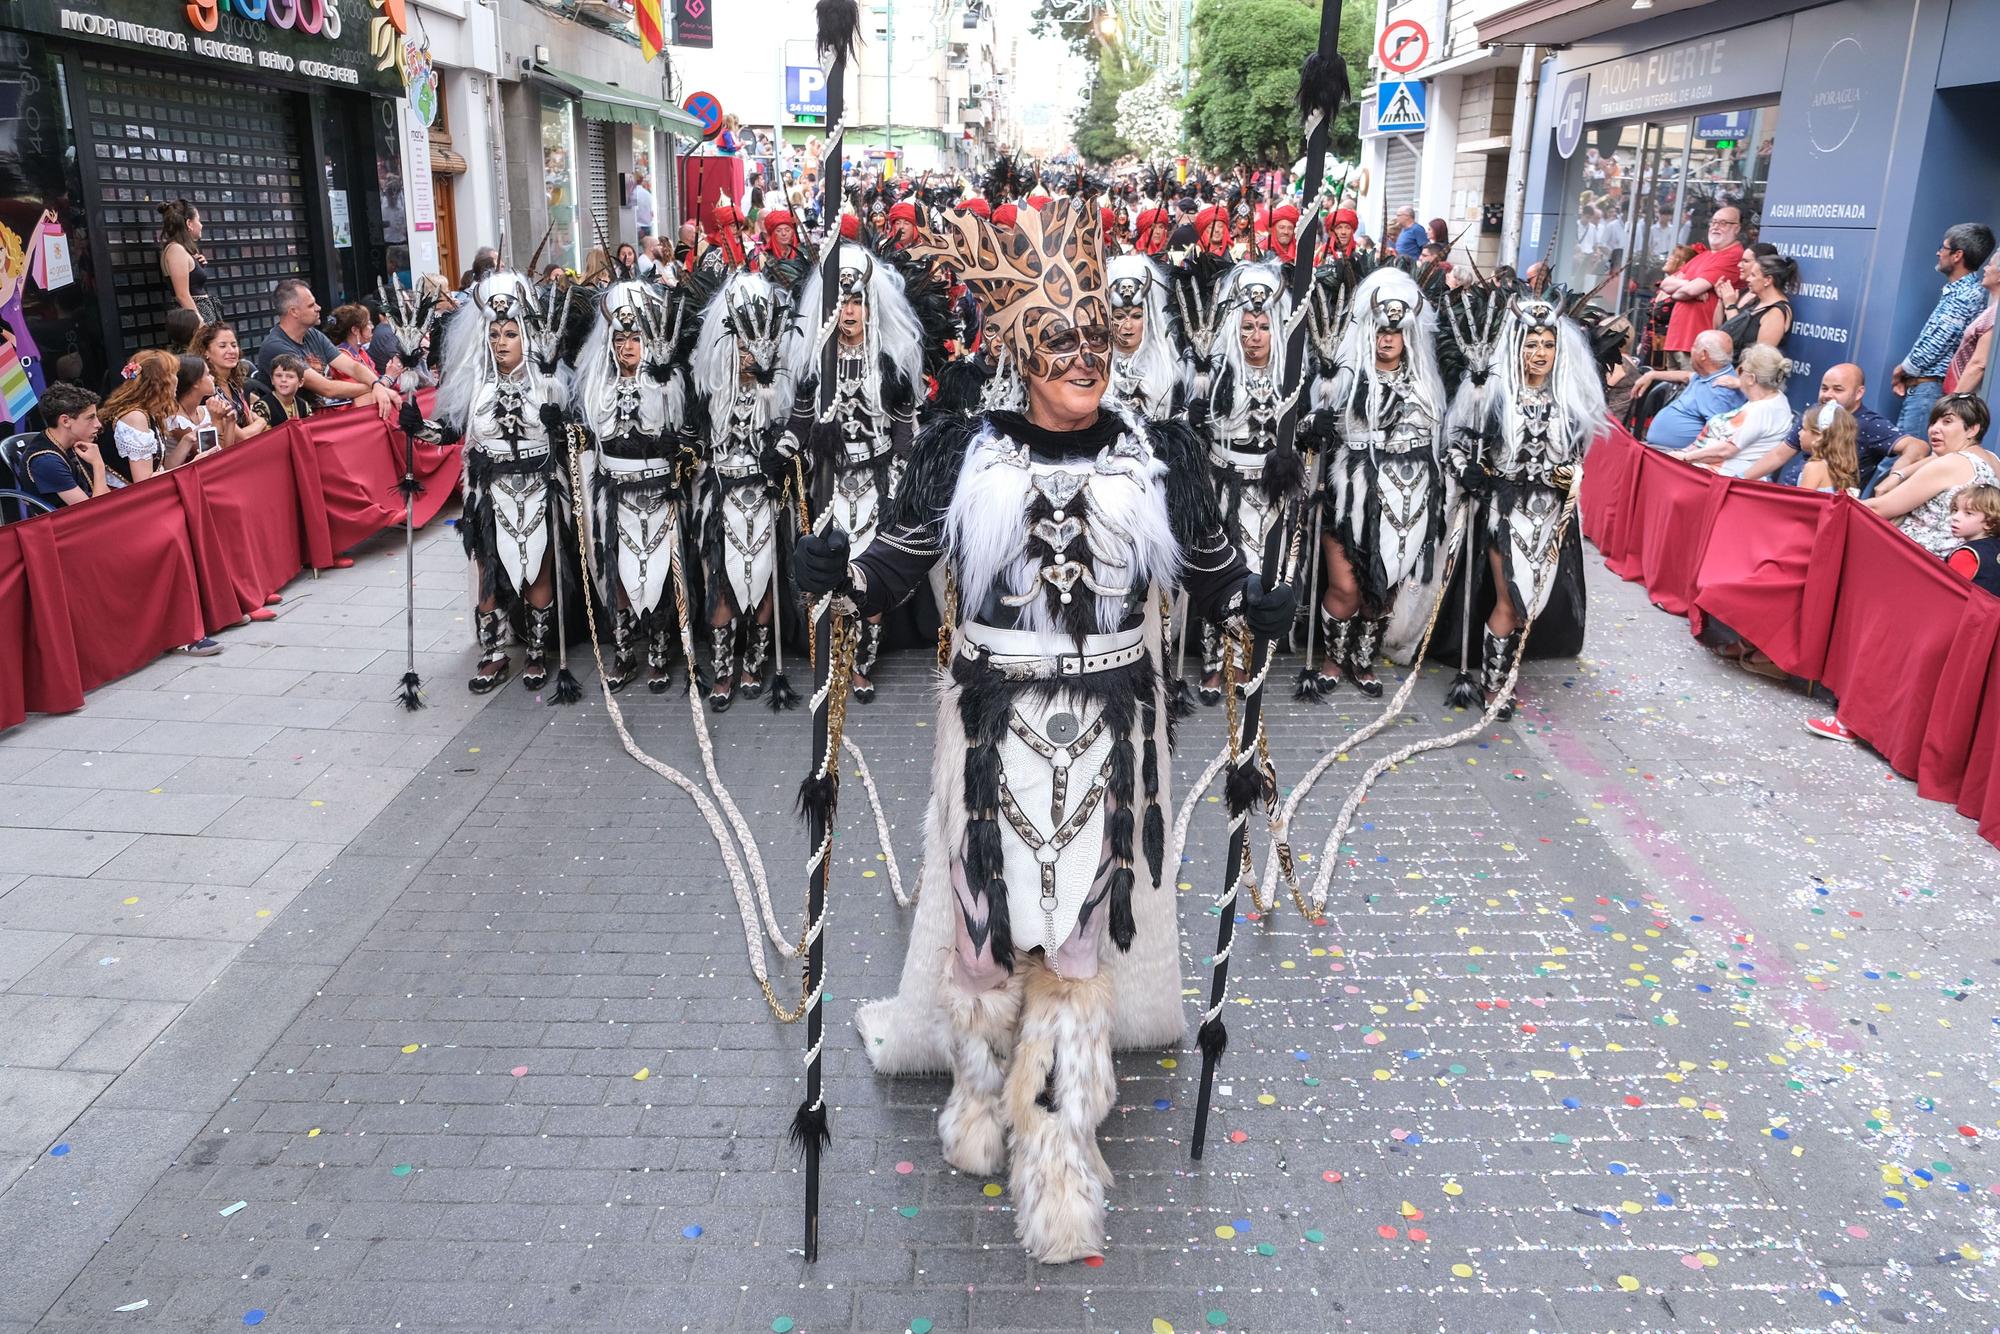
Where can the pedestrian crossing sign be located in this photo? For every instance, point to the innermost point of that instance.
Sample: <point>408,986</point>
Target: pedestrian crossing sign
<point>1399,105</point>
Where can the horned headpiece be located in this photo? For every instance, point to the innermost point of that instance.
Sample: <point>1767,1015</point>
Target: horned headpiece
<point>1042,283</point>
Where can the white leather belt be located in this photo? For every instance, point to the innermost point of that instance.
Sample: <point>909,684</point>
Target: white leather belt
<point>1247,462</point>
<point>1023,655</point>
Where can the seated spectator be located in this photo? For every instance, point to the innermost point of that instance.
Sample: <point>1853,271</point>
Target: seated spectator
<point>182,325</point>
<point>1826,435</point>
<point>1975,521</point>
<point>216,344</point>
<point>60,464</point>
<point>141,411</point>
<point>1711,390</point>
<point>351,329</point>
<point>199,411</point>
<point>282,398</point>
<point>330,374</point>
<point>1919,502</point>
<point>1750,441</point>
<point>1875,436</point>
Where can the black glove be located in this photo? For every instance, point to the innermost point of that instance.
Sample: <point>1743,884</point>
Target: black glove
<point>552,421</point>
<point>411,417</point>
<point>819,564</point>
<point>1268,614</point>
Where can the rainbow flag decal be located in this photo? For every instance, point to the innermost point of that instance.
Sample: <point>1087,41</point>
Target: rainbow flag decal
<point>17,392</point>
<point>651,35</point>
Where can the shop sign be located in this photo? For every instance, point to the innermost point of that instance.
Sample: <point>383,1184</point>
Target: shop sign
<point>1569,113</point>
<point>319,41</point>
<point>1721,67</point>
<point>423,83</point>
<point>1837,117</point>
<point>805,90</point>
<point>694,22</point>
<point>1826,302</point>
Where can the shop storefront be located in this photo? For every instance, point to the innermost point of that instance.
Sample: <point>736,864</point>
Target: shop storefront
<point>275,121</point>
<point>1849,135</point>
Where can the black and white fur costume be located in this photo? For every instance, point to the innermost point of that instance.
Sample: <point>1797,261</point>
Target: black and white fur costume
<point>515,492</point>
<point>857,456</point>
<point>1152,382</point>
<point>1046,826</point>
<point>635,476</point>
<point>1252,479</point>
<point>1522,446</point>
<point>1387,485</point>
<point>741,492</point>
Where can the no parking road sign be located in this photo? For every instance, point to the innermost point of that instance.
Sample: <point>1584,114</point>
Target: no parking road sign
<point>1399,105</point>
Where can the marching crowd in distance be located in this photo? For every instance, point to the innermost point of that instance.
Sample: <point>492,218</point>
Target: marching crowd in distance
<point>1704,378</point>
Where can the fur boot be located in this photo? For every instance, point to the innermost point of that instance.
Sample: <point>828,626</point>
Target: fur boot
<point>972,1127</point>
<point>1059,1089</point>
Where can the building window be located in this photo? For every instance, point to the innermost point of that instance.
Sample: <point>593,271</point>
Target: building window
<point>559,179</point>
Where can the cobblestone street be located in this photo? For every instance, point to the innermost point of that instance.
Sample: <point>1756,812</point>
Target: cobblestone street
<point>1648,1011</point>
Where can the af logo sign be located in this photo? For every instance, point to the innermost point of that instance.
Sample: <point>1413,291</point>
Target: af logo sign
<point>1569,113</point>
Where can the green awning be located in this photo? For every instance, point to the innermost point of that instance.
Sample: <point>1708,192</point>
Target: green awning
<point>624,106</point>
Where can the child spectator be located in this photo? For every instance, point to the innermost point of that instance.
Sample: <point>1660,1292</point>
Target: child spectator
<point>1975,521</point>
<point>61,462</point>
<point>281,401</point>
<point>1827,434</point>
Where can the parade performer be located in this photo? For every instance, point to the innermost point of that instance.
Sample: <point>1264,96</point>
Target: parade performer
<point>781,236</point>
<point>1155,226</point>
<point>503,394</point>
<point>1284,246</point>
<point>1238,418</point>
<point>1062,529</point>
<point>742,399</point>
<point>727,248</point>
<point>1384,496</point>
<point>857,450</point>
<point>635,476</point>
<point>1518,440</point>
<point>1148,372</point>
<point>1341,244</point>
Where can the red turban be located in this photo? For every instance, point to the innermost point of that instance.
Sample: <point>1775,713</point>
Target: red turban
<point>977,204</point>
<point>903,211</point>
<point>1004,215</point>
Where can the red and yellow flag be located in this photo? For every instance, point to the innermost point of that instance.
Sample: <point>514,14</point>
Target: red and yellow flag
<point>652,36</point>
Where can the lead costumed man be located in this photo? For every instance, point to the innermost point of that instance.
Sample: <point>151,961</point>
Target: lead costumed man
<point>1062,529</point>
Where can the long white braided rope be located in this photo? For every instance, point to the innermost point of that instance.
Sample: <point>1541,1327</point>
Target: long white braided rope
<point>1324,878</point>
<point>744,887</point>
<point>903,899</point>
<point>1277,857</point>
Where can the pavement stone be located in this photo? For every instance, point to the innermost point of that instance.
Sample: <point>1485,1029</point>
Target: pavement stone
<point>1645,1010</point>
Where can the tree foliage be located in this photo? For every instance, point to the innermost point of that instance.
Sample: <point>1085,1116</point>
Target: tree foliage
<point>1095,130</point>
<point>1049,20</point>
<point>1149,116</point>
<point>1243,107</point>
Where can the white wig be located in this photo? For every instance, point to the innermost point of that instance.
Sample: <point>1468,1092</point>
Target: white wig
<point>891,327</point>
<point>1388,298</point>
<point>627,306</point>
<point>468,357</point>
<point>1157,363</point>
<point>1253,286</point>
<point>1574,382</point>
<point>747,308</point>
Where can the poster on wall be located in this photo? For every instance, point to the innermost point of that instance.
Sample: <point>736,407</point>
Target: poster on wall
<point>417,193</point>
<point>343,230</point>
<point>694,23</point>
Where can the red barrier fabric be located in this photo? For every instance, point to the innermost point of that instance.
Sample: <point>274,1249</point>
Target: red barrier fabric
<point>92,592</point>
<point>1831,593</point>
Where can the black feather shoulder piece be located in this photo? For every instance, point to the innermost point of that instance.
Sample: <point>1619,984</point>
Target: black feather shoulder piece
<point>1191,505</point>
<point>932,477</point>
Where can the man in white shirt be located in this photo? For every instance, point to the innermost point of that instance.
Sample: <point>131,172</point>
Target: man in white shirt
<point>642,206</point>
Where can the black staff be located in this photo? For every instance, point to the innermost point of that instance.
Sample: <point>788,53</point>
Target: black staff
<point>411,319</point>
<point>1322,88</point>
<point>839,23</point>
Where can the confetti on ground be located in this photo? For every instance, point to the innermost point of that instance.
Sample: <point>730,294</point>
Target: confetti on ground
<point>233,1209</point>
